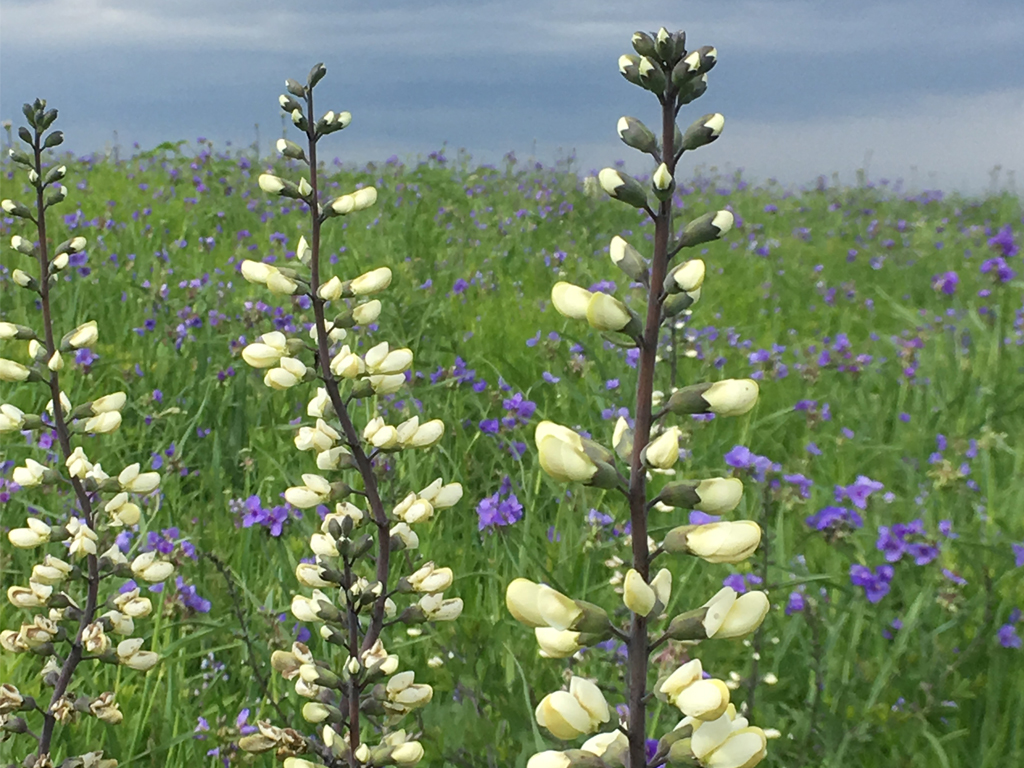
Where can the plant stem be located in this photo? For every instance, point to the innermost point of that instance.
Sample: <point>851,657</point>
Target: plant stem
<point>370,487</point>
<point>64,438</point>
<point>638,645</point>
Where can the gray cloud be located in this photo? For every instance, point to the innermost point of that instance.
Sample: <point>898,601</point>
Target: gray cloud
<point>807,86</point>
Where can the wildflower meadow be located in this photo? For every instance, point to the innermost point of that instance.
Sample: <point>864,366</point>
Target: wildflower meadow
<point>431,462</point>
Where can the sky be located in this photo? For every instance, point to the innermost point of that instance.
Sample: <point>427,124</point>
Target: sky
<point>927,91</point>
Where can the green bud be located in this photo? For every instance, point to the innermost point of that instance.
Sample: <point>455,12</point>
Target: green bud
<point>623,187</point>
<point>362,388</point>
<point>580,758</point>
<point>680,753</point>
<point>628,259</point>
<point>706,228</point>
<point>288,104</point>
<point>55,139</point>
<point>48,119</point>
<point>25,134</point>
<point>21,158</point>
<point>678,302</point>
<point>688,626</point>
<point>55,196</point>
<point>16,724</point>
<point>291,150</point>
<point>54,174</point>
<point>665,45</point>
<point>30,115</point>
<point>316,74</point>
<point>13,208</point>
<point>683,495</point>
<point>703,59</point>
<point>605,477</point>
<point>629,68</point>
<point>643,43</point>
<point>593,621</point>
<point>637,135</point>
<point>692,90</point>
<point>702,132</point>
<point>412,615</point>
<point>295,88</point>
<point>651,75</point>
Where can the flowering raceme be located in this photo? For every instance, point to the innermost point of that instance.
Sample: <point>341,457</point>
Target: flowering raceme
<point>66,596</point>
<point>641,453</point>
<point>355,588</point>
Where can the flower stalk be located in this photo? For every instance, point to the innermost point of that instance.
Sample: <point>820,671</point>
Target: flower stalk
<point>712,731</point>
<point>355,586</point>
<point>52,582</point>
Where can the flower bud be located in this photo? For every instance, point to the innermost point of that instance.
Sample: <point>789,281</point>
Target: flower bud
<point>687,277</point>
<point>703,699</point>
<point>556,643</point>
<point>628,259</point>
<point>706,228</point>
<point>637,594</point>
<point>256,271</point>
<point>430,579</point>
<point>521,600</point>
<point>331,290</point>
<point>729,397</point>
<point>722,542</point>
<point>742,748</point>
<point>288,149</point>
<point>364,198</point>
<point>663,452</point>
<point>12,371</point>
<point>15,209</point>
<point>133,481</point>
<point>713,496</point>
<point>629,68</point>
<point>703,131</point>
<point>745,615</point>
<point>102,424</point>
<point>637,135</point>
<point>622,187</point>
<point>651,75</point>
<point>562,455</point>
<point>663,183</point>
<point>84,335</point>
<point>130,654</point>
<point>35,534</point>
<point>570,300</point>
<point>371,282</point>
<point>606,313</point>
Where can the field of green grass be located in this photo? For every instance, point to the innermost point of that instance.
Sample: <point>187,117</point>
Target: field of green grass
<point>883,460</point>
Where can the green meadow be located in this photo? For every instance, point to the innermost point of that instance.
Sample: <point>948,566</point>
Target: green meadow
<point>885,328</point>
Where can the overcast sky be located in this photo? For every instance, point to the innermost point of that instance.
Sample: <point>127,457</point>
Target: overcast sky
<point>932,91</point>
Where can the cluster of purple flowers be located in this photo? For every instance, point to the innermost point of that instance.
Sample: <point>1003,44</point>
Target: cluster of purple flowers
<point>167,541</point>
<point>254,513</point>
<point>1007,633</point>
<point>859,491</point>
<point>742,582</point>
<point>835,520</point>
<point>875,583</point>
<point>460,374</point>
<point>500,509</point>
<point>741,457</point>
<point>911,540</point>
<point>518,412</point>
